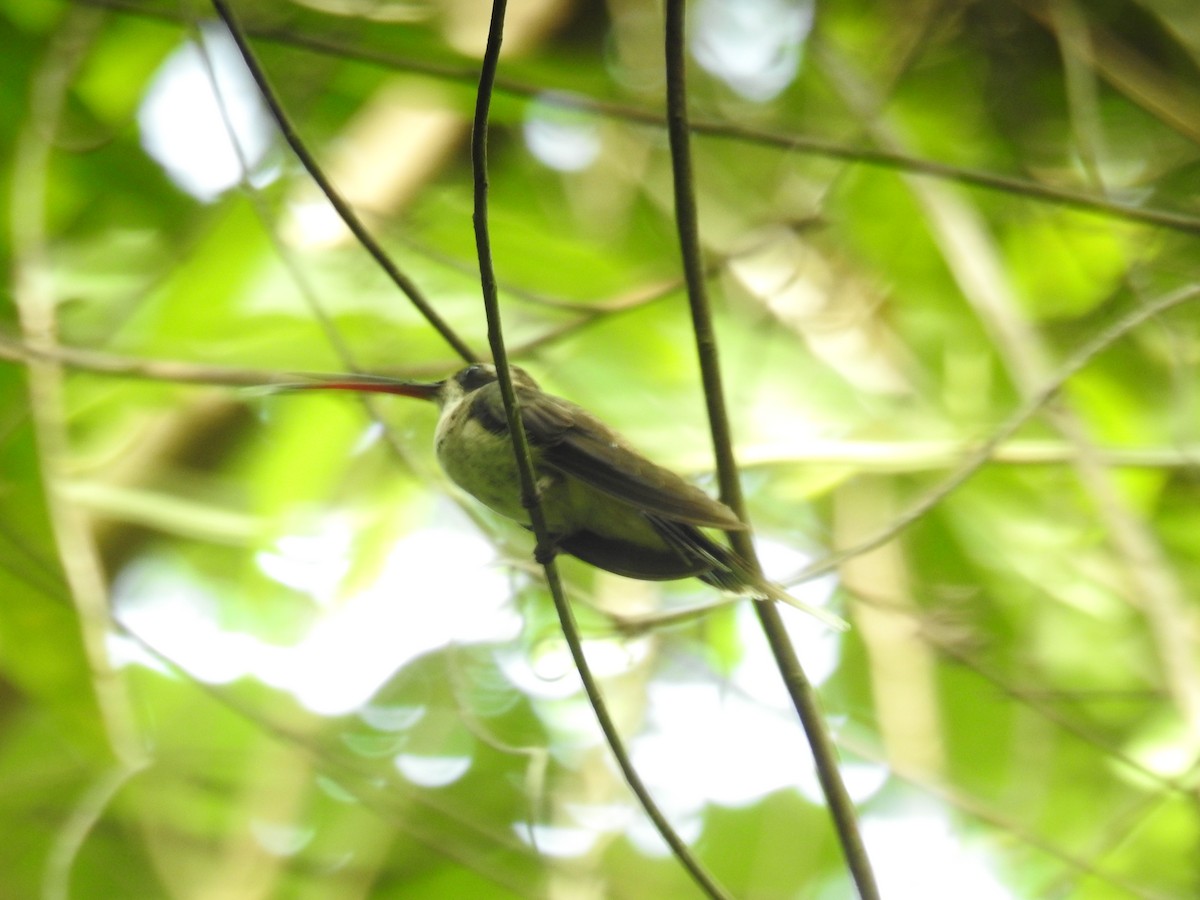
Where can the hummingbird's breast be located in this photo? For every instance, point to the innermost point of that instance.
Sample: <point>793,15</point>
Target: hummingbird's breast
<point>482,464</point>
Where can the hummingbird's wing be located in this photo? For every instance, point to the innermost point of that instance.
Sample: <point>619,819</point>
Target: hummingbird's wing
<point>571,440</point>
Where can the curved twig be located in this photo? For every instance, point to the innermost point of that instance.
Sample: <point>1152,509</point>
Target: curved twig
<point>344,210</point>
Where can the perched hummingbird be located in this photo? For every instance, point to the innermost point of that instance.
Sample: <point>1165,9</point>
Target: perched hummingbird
<point>603,501</point>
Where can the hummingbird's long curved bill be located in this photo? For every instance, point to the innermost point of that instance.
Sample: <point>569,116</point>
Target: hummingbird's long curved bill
<point>376,384</point>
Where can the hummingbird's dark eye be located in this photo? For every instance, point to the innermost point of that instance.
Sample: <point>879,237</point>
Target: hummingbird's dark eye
<point>474,377</point>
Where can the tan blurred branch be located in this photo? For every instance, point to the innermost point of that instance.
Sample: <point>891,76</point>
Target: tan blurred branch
<point>859,456</point>
<point>36,304</point>
<point>1172,100</point>
<point>98,362</point>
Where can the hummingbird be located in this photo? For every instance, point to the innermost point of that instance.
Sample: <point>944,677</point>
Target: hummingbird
<point>603,501</point>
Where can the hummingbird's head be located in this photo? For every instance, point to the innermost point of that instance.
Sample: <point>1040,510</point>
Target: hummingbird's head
<point>473,377</point>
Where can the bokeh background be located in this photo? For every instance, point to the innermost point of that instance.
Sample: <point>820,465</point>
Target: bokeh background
<point>256,646</point>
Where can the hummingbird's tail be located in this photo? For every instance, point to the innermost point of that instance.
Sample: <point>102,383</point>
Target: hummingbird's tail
<point>726,570</point>
<point>761,589</point>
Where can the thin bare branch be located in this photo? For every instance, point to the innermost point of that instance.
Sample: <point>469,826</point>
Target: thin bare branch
<point>799,687</point>
<point>812,145</point>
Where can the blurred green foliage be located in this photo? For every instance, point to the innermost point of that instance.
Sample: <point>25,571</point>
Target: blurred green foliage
<point>234,659</point>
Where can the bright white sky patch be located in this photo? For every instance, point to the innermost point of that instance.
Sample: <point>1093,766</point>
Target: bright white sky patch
<point>704,744</point>
<point>558,841</point>
<point>917,856</point>
<point>731,744</point>
<point>314,564</point>
<point>432,771</point>
<point>437,587</point>
<point>395,718</point>
<point>548,671</point>
<point>281,840</point>
<point>707,742</point>
<point>751,45</point>
<point>560,138</point>
<point>177,617</point>
<point>182,125</point>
